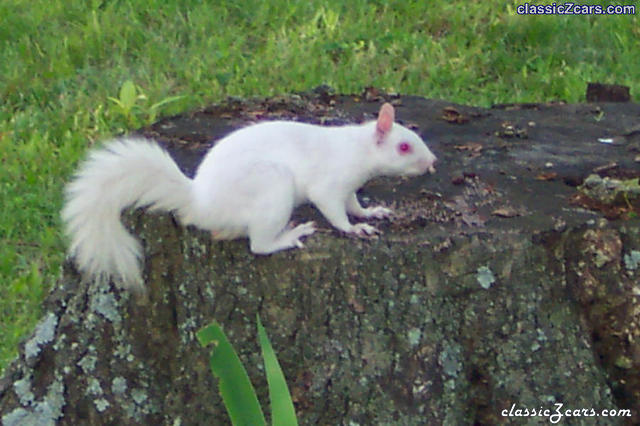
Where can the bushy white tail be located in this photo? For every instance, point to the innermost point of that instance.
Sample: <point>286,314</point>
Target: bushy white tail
<point>125,172</point>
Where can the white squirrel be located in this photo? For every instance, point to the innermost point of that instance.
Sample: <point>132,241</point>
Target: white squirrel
<point>247,185</point>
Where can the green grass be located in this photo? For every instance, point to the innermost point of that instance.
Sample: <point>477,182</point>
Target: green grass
<point>61,61</point>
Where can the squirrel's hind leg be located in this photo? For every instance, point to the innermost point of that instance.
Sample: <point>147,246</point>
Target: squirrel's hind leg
<point>266,243</point>
<point>268,230</point>
<point>261,243</point>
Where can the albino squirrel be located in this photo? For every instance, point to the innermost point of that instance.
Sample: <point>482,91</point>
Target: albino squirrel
<point>247,185</point>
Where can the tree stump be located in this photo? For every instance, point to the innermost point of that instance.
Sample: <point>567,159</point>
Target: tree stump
<point>501,285</point>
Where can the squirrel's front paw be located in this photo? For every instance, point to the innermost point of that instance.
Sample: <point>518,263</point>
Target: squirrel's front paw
<point>364,230</point>
<point>377,212</point>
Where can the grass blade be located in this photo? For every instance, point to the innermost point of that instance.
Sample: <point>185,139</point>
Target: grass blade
<point>165,101</point>
<point>235,387</point>
<point>282,411</point>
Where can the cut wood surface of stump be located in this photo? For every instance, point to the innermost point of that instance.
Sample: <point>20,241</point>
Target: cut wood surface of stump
<point>504,282</point>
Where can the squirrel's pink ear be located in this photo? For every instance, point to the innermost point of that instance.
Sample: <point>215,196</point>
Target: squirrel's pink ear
<point>386,117</point>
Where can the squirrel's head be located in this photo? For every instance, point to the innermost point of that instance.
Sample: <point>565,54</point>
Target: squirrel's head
<point>398,150</point>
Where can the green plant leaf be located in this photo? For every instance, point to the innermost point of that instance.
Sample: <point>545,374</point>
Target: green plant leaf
<point>128,95</point>
<point>282,410</point>
<point>237,392</point>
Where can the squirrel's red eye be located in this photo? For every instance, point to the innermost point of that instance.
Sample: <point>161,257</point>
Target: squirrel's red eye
<point>404,148</point>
